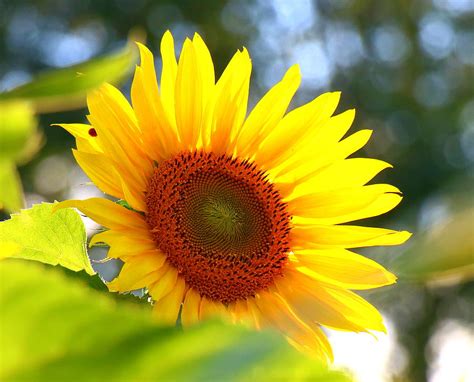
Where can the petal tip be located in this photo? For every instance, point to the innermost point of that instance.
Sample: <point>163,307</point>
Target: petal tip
<point>197,36</point>
<point>295,70</point>
<point>64,204</point>
<point>391,278</point>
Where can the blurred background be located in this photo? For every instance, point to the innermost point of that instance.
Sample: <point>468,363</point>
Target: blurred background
<point>408,69</point>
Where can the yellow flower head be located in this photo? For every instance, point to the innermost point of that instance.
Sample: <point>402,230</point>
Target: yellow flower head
<point>234,215</point>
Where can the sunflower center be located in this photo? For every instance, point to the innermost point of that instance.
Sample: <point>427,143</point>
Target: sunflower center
<point>220,222</point>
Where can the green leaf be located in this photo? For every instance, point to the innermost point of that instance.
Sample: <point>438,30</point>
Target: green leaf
<point>11,192</point>
<point>444,254</point>
<point>47,237</point>
<point>17,125</point>
<point>19,140</point>
<point>57,329</point>
<point>9,249</point>
<point>66,89</point>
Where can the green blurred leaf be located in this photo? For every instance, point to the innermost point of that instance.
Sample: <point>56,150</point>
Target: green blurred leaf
<point>57,329</point>
<point>444,253</point>
<point>19,140</point>
<point>11,191</point>
<point>66,89</point>
<point>17,125</point>
<point>47,237</point>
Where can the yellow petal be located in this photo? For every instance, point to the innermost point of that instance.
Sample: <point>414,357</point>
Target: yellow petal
<point>349,173</point>
<point>131,164</point>
<point>166,281</point>
<point>341,206</point>
<point>81,131</point>
<point>123,113</point>
<point>192,92</point>
<point>254,313</point>
<point>229,105</point>
<point>212,309</point>
<point>136,273</point>
<point>84,145</point>
<point>107,213</point>
<point>267,113</point>
<point>166,310</point>
<point>191,306</point>
<point>149,120</point>
<point>344,268</point>
<point>296,126</point>
<point>205,67</point>
<point>311,308</point>
<point>168,76</point>
<point>117,117</point>
<point>336,128</point>
<point>345,236</point>
<point>321,149</point>
<point>355,308</point>
<point>384,203</point>
<point>159,134</point>
<point>240,312</point>
<point>354,142</point>
<point>307,343</point>
<point>134,197</point>
<point>275,312</point>
<point>76,129</point>
<point>328,305</point>
<point>101,171</point>
<point>123,244</point>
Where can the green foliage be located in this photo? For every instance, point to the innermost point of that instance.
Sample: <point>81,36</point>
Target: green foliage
<point>17,124</point>
<point>8,249</point>
<point>66,89</point>
<point>19,140</point>
<point>11,191</point>
<point>444,253</point>
<point>47,237</point>
<point>55,329</point>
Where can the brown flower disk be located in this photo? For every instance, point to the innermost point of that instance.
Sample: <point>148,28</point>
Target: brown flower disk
<point>220,222</point>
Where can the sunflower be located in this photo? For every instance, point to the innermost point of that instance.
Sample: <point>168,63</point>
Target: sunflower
<point>235,215</point>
